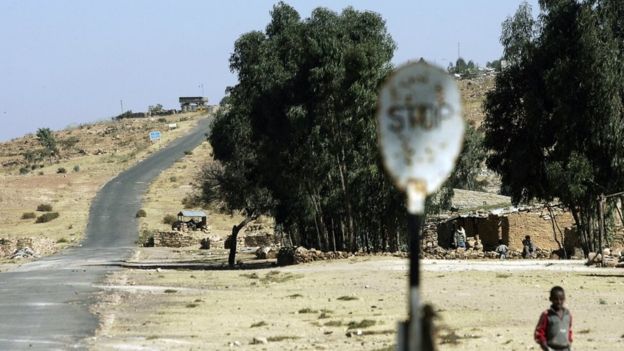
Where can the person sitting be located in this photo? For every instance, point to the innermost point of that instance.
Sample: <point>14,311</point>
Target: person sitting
<point>502,249</point>
<point>528,250</point>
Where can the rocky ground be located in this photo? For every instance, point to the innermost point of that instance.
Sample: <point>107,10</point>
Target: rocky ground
<point>353,304</point>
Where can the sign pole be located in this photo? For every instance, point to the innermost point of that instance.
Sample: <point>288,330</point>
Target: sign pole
<point>414,223</point>
<point>420,129</point>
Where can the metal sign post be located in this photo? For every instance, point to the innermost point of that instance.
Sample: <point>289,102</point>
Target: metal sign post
<point>420,130</point>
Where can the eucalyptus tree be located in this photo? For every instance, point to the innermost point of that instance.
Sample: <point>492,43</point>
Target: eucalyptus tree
<point>554,121</point>
<point>299,129</point>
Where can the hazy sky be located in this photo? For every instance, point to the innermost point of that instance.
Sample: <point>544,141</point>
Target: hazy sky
<point>65,62</point>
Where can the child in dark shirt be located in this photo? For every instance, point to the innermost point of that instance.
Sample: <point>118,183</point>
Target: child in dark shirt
<point>554,329</point>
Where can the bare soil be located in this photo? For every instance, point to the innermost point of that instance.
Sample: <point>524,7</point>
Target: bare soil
<point>482,305</point>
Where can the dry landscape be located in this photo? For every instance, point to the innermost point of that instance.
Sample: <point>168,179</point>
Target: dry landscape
<point>348,304</point>
<point>91,155</point>
<point>325,305</point>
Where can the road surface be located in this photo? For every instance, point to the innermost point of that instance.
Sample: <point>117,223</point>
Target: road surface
<point>44,305</point>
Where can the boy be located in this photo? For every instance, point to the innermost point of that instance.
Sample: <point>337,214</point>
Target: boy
<point>554,329</point>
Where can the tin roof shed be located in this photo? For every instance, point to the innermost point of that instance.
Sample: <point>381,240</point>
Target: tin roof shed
<point>187,213</point>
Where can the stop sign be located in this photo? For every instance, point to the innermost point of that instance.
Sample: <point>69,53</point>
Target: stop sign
<point>420,129</point>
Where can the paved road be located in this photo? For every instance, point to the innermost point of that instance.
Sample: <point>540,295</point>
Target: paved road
<point>44,305</point>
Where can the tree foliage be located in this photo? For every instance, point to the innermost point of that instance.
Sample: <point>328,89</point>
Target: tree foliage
<point>48,141</point>
<point>554,121</point>
<point>296,137</point>
<point>462,67</point>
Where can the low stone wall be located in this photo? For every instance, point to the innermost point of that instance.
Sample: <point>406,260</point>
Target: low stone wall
<point>174,239</point>
<point>290,255</point>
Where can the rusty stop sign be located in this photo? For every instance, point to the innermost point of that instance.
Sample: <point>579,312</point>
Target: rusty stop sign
<point>420,128</point>
<point>421,131</point>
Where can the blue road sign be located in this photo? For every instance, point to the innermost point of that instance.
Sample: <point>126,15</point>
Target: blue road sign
<point>154,135</point>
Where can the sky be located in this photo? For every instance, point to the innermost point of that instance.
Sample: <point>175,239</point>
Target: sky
<point>68,62</point>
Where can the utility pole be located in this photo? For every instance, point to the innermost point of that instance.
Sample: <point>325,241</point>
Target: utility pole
<point>121,103</point>
<point>458,51</point>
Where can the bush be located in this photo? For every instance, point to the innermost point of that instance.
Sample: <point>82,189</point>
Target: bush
<point>173,179</point>
<point>77,168</point>
<point>141,213</point>
<point>28,215</point>
<point>162,120</point>
<point>62,241</point>
<point>44,208</point>
<point>46,217</point>
<point>61,170</point>
<point>169,219</point>
<point>24,170</point>
<point>188,152</point>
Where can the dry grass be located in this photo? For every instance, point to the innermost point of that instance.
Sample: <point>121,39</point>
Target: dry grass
<point>70,194</point>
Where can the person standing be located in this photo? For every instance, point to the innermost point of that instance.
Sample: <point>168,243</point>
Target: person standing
<point>554,328</point>
<point>459,238</point>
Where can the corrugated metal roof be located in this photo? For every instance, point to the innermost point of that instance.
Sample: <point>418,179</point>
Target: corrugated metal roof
<point>187,213</point>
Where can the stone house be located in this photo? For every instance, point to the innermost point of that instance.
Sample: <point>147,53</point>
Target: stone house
<point>512,225</point>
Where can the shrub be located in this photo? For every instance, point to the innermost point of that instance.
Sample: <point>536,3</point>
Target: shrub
<point>162,120</point>
<point>77,168</point>
<point>40,172</point>
<point>46,217</point>
<point>44,208</point>
<point>61,241</point>
<point>169,219</point>
<point>61,170</point>
<point>141,213</point>
<point>173,179</point>
<point>188,152</point>
<point>24,170</point>
<point>28,215</point>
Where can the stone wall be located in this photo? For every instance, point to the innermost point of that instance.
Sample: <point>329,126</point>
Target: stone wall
<point>174,239</point>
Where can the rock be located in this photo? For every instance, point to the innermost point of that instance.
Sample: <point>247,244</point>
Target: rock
<point>593,257</point>
<point>25,252</point>
<point>610,262</point>
<point>265,252</point>
<point>259,340</point>
<point>286,256</point>
<point>606,251</point>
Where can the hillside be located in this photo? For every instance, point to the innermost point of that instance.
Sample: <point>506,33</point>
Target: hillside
<point>473,95</point>
<point>90,155</point>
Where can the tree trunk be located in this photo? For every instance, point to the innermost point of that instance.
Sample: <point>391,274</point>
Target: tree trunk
<point>234,236</point>
<point>555,227</point>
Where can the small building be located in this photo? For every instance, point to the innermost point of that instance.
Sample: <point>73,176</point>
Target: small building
<point>511,225</point>
<point>192,103</point>
<point>198,217</point>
